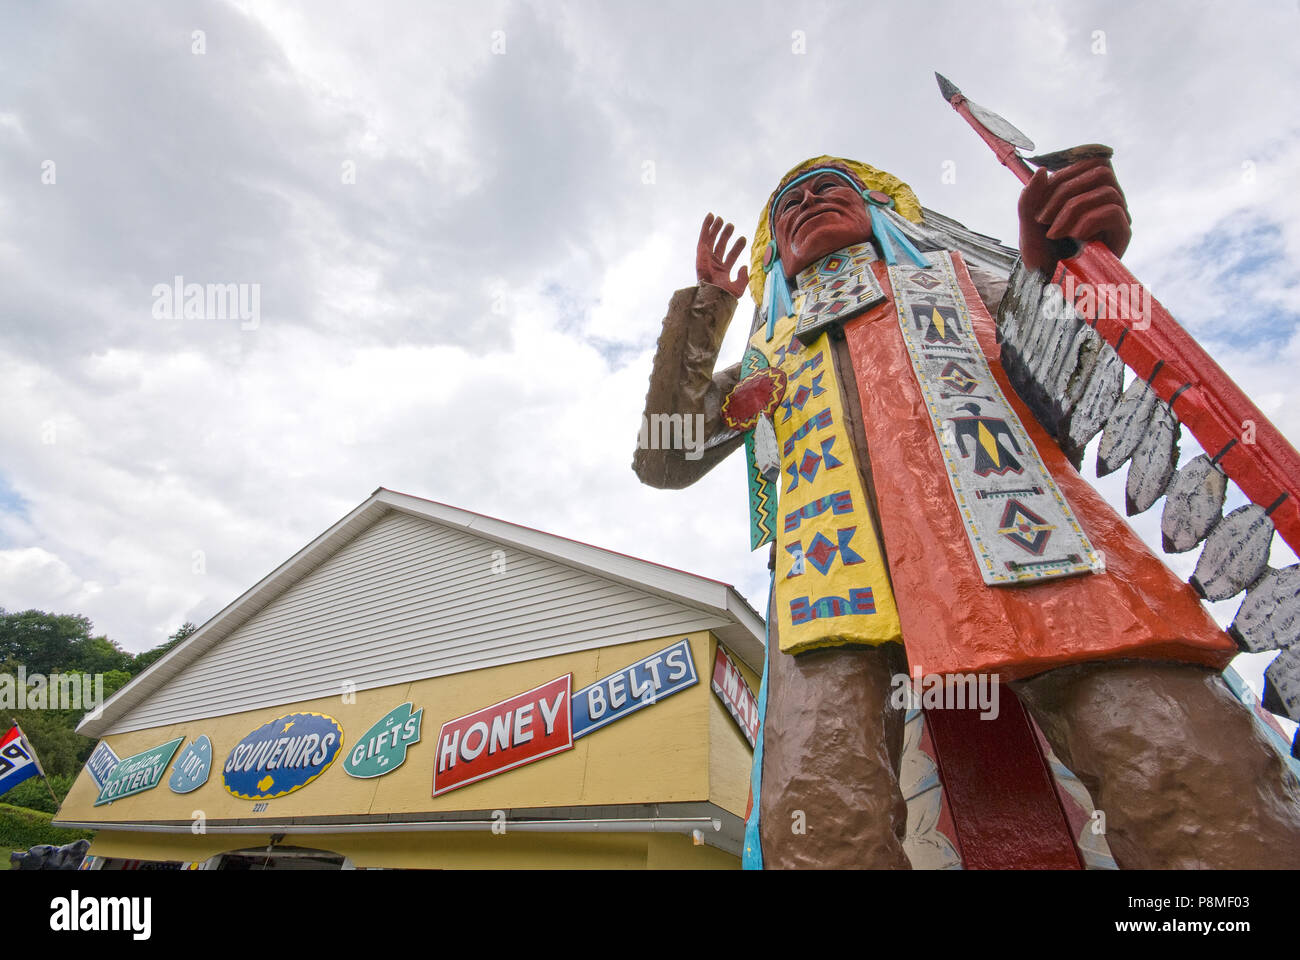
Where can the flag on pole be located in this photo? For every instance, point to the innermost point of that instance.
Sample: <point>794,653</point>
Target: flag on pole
<point>17,760</point>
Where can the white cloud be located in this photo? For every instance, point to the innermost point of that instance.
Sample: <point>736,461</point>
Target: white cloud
<point>380,359</point>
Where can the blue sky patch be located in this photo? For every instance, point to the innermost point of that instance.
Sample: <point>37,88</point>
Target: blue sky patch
<point>1245,275</point>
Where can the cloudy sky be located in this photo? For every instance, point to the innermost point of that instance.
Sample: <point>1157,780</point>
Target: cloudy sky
<point>463,225</point>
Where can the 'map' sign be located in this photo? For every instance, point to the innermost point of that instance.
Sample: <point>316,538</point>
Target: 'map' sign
<point>643,683</point>
<point>506,735</point>
<point>734,692</point>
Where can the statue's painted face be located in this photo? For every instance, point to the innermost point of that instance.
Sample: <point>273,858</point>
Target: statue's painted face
<point>818,216</point>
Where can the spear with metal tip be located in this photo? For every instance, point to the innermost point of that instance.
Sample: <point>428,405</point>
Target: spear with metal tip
<point>1229,427</point>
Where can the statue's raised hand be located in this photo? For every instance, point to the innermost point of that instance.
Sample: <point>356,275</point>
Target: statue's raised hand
<point>1080,202</point>
<point>713,263</point>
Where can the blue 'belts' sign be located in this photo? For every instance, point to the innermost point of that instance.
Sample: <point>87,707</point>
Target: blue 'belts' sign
<point>645,682</point>
<point>282,755</point>
<point>190,771</point>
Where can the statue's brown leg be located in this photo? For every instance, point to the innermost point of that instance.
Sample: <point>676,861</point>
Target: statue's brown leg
<point>1175,763</point>
<point>831,746</point>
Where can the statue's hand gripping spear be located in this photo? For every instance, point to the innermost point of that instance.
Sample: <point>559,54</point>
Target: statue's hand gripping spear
<point>1156,347</point>
<point>1075,191</point>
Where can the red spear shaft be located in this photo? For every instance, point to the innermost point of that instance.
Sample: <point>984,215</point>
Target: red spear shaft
<point>1229,427</point>
<point>1004,151</point>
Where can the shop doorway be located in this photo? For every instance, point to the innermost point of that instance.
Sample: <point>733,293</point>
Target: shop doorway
<point>282,858</point>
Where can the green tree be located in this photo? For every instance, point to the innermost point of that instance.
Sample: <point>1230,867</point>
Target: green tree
<point>60,644</point>
<point>49,642</point>
<point>144,659</point>
<point>38,640</point>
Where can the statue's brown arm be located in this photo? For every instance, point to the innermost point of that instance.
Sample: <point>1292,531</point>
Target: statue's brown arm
<point>682,382</point>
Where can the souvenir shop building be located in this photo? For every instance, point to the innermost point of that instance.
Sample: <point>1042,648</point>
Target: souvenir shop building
<point>425,687</point>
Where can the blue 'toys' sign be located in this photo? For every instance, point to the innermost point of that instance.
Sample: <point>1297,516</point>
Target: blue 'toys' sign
<point>282,755</point>
<point>190,771</point>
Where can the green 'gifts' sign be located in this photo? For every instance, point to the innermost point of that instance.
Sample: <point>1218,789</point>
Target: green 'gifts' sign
<point>138,773</point>
<point>382,748</point>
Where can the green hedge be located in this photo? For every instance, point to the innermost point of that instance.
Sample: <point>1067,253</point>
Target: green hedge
<point>34,795</point>
<point>21,828</point>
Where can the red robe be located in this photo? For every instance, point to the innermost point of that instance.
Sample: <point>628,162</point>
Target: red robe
<point>951,621</point>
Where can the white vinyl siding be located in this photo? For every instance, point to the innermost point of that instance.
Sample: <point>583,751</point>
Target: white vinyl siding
<point>409,598</point>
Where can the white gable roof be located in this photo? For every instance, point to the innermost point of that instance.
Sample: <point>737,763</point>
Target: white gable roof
<point>404,588</point>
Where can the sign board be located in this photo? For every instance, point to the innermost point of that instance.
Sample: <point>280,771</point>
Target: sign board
<point>282,755</point>
<point>138,773</point>
<point>506,735</point>
<point>191,769</point>
<point>101,763</point>
<point>730,686</point>
<point>382,748</point>
<point>641,684</point>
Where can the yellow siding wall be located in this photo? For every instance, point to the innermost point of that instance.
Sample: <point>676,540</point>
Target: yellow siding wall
<point>659,754</point>
<point>445,851</point>
<point>675,851</point>
<point>186,846</point>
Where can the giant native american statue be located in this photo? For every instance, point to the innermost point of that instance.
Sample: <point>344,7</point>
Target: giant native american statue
<point>912,463</point>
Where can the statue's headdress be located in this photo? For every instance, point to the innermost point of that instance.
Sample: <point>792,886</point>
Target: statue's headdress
<point>880,191</point>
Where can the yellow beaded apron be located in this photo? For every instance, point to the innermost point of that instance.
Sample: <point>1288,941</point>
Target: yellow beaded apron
<point>831,587</point>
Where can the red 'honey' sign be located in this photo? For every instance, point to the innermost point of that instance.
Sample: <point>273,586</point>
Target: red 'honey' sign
<point>505,735</point>
<point>734,692</point>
